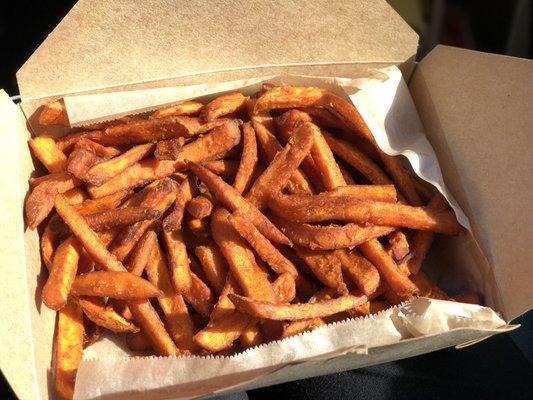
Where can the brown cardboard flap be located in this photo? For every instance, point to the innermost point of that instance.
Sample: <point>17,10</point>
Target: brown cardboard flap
<point>101,44</point>
<point>477,111</point>
<point>16,345</point>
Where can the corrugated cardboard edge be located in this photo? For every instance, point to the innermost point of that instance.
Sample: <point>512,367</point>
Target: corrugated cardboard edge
<point>476,109</point>
<point>17,355</point>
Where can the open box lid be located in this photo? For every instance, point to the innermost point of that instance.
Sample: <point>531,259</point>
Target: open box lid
<point>477,111</point>
<point>101,44</point>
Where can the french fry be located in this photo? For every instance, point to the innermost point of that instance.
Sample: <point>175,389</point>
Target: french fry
<point>321,156</point>
<point>325,266</point>
<point>385,193</point>
<point>200,296</point>
<point>213,264</point>
<point>62,274</point>
<point>426,288</point>
<point>92,332</point>
<point>200,207</point>
<point>108,219</point>
<point>376,254</point>
<point>102,172</point>
<point>48,153</point>
<point>152,327</point>
<point>262,246</point>
<point>68,349</point>
<point>87,237</point>
<point>248,161</point>
<point>317,209</point>
<point>348,178</point>
<point>252,280</point>
<point>142,252</point>
<point>186,190</point>
<point>280,170</point>
<point>179,322</point>
<point>190,107</point>
<point>368,308</point>
<point>95,309</point>
<point>159,198</point>
<point>359,270</point>
<point>330,237</point>
<point>291,312</point>
<point>80,161</point>
<point>251,337</point>
<point>270,146</point>
<point>199,228</point>
<point>226,169</point>
<point>231,199</point>
<point>36,181</point>
<point>206,148</point>
<point>168,149</point>
<point>75,196</point>
<point>115,284</point>
<point>323,118</point>
<point>138,342</point>
<point>288,97</point>
<point>54,113</point>
<point>41,200</point>
<point>223,105</point>
<point>304,325</point>
<point>221,334</point>
<point>285,288</point>
<point>92,206</point>
<point>357,159</point>
<point>49,242</point>
<point>178,260</point>
<point>224,306</point>
<point>103,152</point>
<point>398,244</point>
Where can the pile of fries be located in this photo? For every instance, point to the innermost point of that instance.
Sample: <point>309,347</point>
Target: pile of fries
<point>211,228</point>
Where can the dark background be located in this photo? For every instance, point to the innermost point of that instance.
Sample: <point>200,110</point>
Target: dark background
<point>498,368</point>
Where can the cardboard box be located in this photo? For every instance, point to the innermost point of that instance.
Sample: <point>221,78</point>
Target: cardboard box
<point>476,109</point>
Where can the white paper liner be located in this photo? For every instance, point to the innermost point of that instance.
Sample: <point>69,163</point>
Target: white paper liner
<point>386,106</point>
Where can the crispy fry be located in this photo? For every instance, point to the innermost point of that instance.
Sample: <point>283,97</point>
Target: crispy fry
<point>75,196</point>
<point>213,264</point>
<point>49,242</point>
<point>252,280</point>
<point>248,159</point>
<point>80,161</point>
<point>68,349</point>
<point>291,312</point>
<point>199,228</point>
<point>398,244</point>
<point>208,147</point>
<point>370,307</point>
<point>359,270</point>
<point>178,260</point>
<point>102,172</point>
<point>190,107</point>
<point>262,246</point>
<point>200,207</point>
<point>226,169</point>
<point>36,181</point>
<point>138,342</point>
<point>357,159</point>
<point>280,170</point>
<point>251,337</point>
<point>186,190</point>
<point>142,252</point>
<point>104,220</point>
<point>179,322</point>
<point>46,150</point>
<point>224,306</point>
<point>221,334</point>
<point>230,198</point>
<point>288,97</point>
<point>115,284</point>
<point>168,149</point>
<point>95,309</point>
<point>225,104</point>
<point>41,200</point>
<point>270,146</point>
<point>325,266</point>
<point>376,254</point>
<point>285,288</point>
<point>92,206</point>
<point>296,327</point>
<point>303,208</point>
<point>330,237</point>
<point>62,274</point>
<point>152,327</point>
<point>101,151</point>
<point>199,296</point>
<point>159,198</point>
<point>385,193</point>
<point>54,113</point>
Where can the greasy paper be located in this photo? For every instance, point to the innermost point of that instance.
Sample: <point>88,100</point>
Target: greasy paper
<point>386,106</point>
